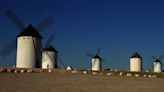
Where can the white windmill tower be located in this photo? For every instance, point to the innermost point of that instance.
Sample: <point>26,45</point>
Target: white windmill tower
<point>136,63</point>
<point>28,42</point>
<point>157,64</point>
<point>28,48</point>
<point>49,55</point>
<point>96,61</point>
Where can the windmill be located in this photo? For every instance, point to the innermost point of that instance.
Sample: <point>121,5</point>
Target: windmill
<point>49,55</point>
<point>157,65</point>
<point>30,37</point>
<point>96,64</point>
<point>20,26</point>
<point>28,48</point>
<point>135,63</point>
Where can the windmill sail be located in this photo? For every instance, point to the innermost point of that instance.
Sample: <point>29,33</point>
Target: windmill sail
<point>50,39</point>
<point>45,24</point>
<point>14,19</point>
<point>20,26</point>
<point>8,49</point>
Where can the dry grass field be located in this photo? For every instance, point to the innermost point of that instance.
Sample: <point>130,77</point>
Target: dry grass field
<point>67,82</point>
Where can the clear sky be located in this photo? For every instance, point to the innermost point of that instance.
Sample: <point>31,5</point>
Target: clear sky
<point>119,27</point>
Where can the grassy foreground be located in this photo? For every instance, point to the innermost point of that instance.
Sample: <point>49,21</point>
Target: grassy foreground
<point>67,82</point>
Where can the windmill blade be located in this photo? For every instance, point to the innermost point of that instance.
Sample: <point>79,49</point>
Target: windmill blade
<point>61,62</point>
<point>154,57</point>
<point>162,64</point>
<point>8,49</point>
<point>45,24</point>
<point>47,56</point>
<point>14,19</point>
<point>98,51</point>
<point>89,54</point>
<point>49,40</point>
<point>161,57</point>
<point>44,58</point>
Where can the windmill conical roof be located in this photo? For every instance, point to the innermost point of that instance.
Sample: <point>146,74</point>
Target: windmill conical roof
<point>97,56</point>
<point>157,60</point>
<point>50,48</point>
<point>30,31</point>
<point>135,55</point>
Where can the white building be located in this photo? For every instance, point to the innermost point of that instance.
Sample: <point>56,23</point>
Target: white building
<point>96,63</point>
<point>136,63</point>
<point>69,68</point>
<point>28,48</point>
<point>157,66</point>
<point>49,57</point>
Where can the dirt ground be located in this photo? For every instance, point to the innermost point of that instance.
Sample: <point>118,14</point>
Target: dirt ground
<point>64,82</point>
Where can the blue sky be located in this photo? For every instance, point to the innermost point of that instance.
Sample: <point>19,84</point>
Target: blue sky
<point>119,27</point>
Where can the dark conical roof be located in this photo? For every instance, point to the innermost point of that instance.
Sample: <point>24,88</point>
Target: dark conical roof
<point>50,48</point>
<point>30,31</point>
<point>97,56</point>
<point>136,55</point>
<point>157,60</point>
